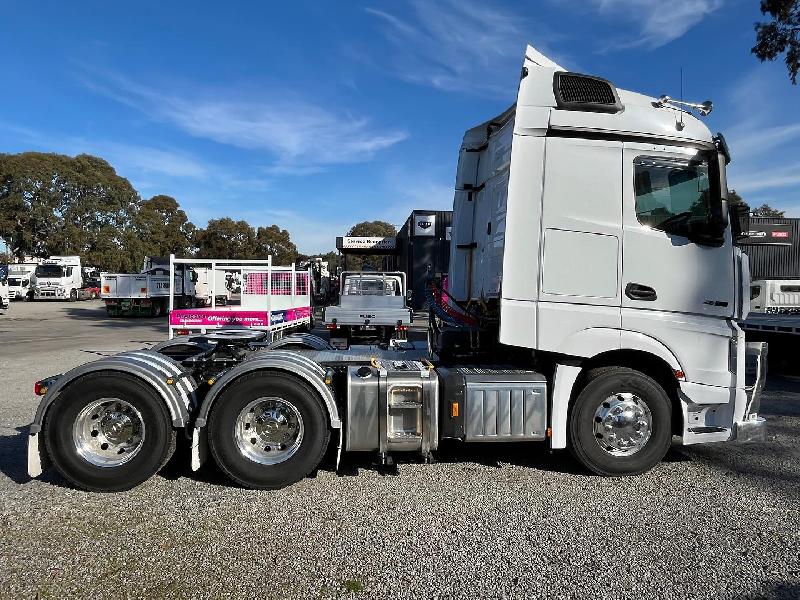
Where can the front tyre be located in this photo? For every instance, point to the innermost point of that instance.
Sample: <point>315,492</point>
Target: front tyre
<point>620,423</point>
<point>73,295</point>
<point>268,430</point>
<point>108,432</point>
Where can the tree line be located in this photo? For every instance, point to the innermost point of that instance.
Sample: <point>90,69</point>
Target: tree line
<point>51,204</point>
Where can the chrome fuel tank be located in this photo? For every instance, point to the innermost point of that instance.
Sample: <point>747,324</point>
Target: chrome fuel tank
<point>392,406</point>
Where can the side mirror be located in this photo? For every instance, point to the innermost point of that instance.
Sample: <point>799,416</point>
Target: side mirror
<point>193,276</point>
<point>739,216</point>
<point>409,294</point>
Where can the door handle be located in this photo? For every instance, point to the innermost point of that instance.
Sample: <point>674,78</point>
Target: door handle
<point>637,291</point>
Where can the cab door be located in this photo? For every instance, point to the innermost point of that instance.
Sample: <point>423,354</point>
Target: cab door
<point>676,290</point>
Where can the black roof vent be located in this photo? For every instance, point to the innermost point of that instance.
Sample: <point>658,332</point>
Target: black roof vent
<point>585,93</point>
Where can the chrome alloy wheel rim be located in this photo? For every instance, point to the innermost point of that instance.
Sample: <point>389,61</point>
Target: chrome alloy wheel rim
<point>269,430</point>
<point>108,432</point>
<point>622,424</point>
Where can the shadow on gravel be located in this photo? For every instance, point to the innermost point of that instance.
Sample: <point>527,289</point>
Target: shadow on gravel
<point>14,459</point>
<point>778,590</point>
<point>14,455</point>
<point>98,317</point>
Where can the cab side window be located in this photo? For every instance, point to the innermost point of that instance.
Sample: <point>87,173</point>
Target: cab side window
<point>671,191</point>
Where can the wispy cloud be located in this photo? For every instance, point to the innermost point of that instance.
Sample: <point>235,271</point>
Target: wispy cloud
<point>299,135</point>
<point>766,179</point>
<point>455,45</point>
<point>657,22</point>
<point>124,157</point>
<point>748,141</point>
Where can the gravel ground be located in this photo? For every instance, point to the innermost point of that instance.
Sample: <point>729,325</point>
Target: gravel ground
<point>720,521</point>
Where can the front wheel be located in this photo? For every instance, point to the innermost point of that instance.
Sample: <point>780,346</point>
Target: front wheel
<point>108,432</point>
<point>620,423</point>
<point>73,295</point>
<point>268,430</point>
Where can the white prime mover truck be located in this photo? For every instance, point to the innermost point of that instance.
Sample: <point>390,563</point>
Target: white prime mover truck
<point>21,280</point>
<point>58,278</point>
<point>594,302</point>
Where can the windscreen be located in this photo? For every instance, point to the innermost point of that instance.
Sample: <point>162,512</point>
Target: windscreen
<point>49,271</point>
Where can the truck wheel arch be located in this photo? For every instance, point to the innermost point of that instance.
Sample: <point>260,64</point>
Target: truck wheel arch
<point>570,378</point>
<point>296,365</point>
<point>153,369</point>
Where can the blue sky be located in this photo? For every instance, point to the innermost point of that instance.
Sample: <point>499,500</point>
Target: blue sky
<point>316,115</point>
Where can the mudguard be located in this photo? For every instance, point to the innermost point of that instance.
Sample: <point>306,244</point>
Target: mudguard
<point>152,368</point>
<point>274,360</point>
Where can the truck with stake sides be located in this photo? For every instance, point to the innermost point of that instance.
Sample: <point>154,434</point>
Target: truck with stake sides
<point>592,303</point>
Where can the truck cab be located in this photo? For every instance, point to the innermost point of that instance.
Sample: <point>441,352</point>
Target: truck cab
<point>591,225</point>
<point>58,278</point>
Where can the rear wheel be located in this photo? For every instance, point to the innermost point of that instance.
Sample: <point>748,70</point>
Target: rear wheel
<point>108,432</point>
<point>620,423</point>
<point>156,308</point>
<point>268,430</point>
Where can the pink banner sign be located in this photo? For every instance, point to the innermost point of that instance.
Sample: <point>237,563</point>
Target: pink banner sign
<point>218,318</point>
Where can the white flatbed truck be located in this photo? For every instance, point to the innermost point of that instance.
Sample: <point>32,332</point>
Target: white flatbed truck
<point>603,212</point>
<point>272,299</point>
<point>372,305</point>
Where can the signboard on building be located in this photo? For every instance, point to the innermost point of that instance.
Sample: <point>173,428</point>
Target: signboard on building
<point>768,233</point>
<point>372,244</point>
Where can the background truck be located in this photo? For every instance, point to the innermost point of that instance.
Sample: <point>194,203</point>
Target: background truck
<point>594,301</point>
<point>205,289</point>
<point>59,278</point>
<point>4,292</point>
<point>147,294</point>
<point>775,296</point>
<point>21,280</point>
<point>371,305</point>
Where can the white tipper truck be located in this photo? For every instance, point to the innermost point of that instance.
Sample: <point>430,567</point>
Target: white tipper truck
<point>593,303</point>
<point>58,278</point>
<point>146,294</point>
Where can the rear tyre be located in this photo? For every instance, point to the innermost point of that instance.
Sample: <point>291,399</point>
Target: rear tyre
<point>156,309</point>
<point>620,423</point>
<point>268,430</point>
<point>108,432</point>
